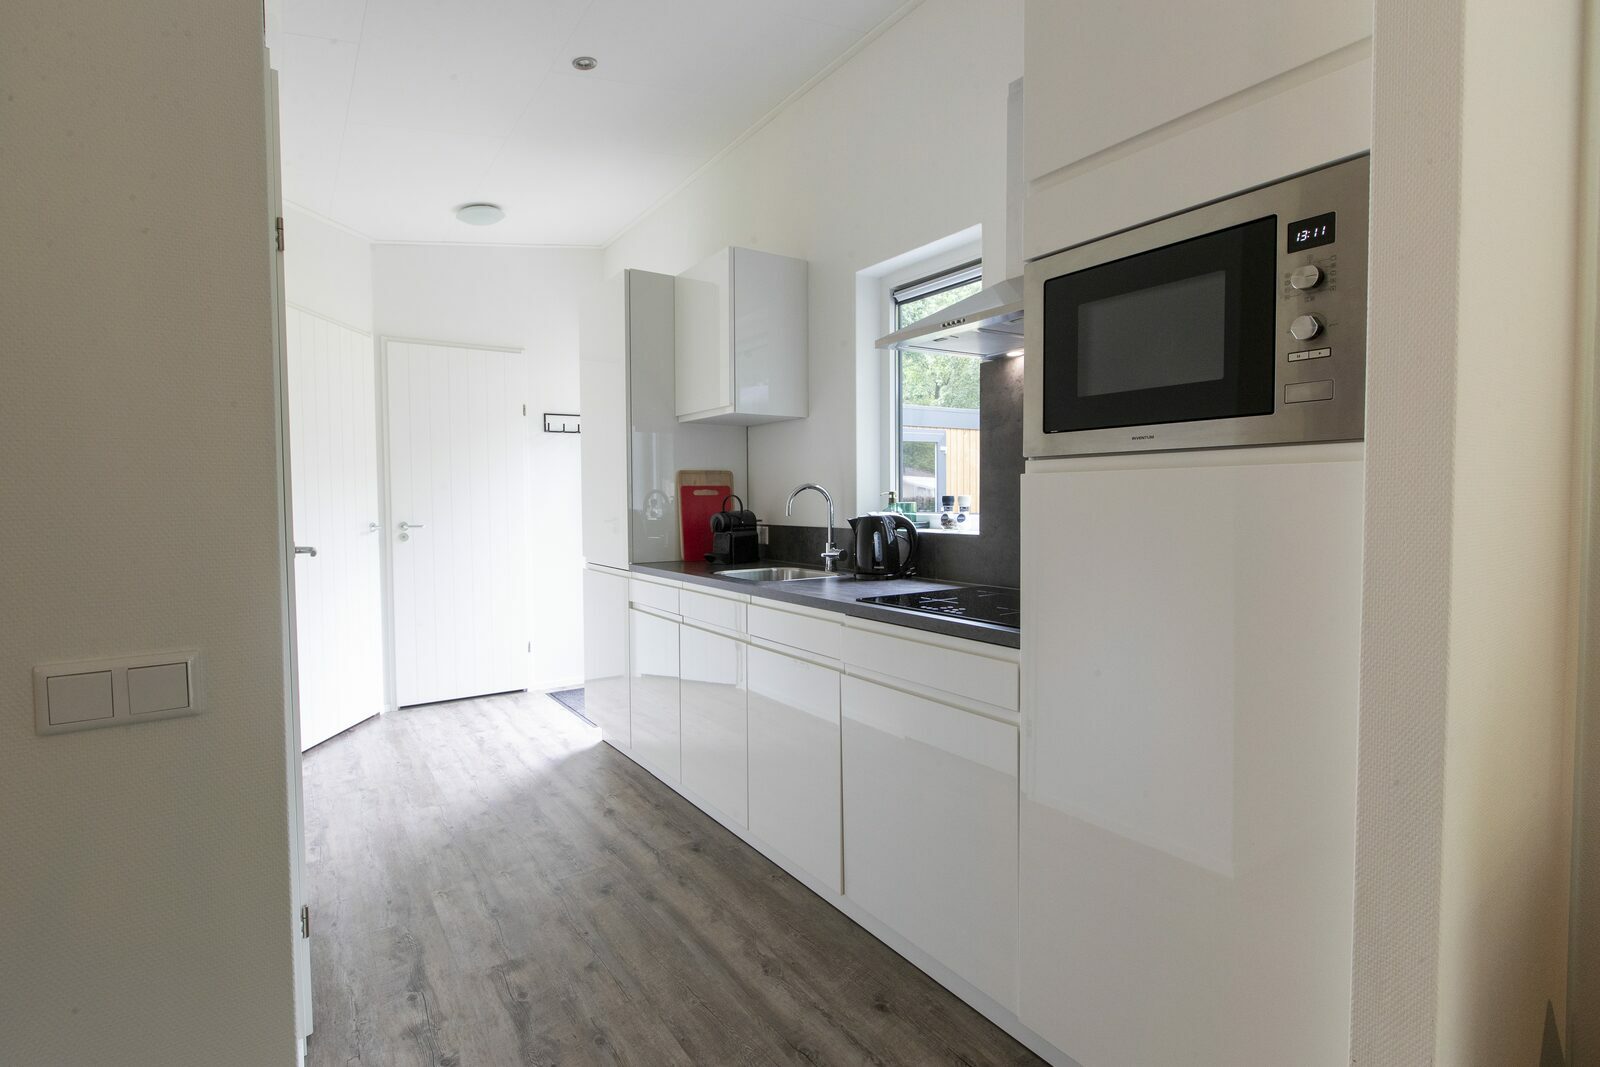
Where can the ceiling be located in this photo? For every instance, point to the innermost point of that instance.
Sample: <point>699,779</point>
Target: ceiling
<point>396,112</point>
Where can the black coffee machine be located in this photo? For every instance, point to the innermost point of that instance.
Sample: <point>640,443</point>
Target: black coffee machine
<point>886,544</point>
<point>734,538</point>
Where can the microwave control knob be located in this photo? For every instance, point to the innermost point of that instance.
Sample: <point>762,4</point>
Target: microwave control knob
<point>1306,277</point>
<point>1305,327</point>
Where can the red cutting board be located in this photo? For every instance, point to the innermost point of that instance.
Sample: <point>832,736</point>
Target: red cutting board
<point>700,496</point>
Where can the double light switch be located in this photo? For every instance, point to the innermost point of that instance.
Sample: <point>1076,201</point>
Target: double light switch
<point>91,693</point>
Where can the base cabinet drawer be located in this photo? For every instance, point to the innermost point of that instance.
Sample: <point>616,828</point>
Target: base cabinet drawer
<point>930,829</point>
<point>653,687</point>
<point>605,655</point>
<point>794,762</point>
<point>712,702</point>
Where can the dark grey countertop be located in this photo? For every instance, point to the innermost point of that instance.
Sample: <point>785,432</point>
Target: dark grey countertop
<point>840,594</point>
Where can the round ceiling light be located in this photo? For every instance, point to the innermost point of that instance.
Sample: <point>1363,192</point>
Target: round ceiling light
<point>585,62</point>
<point>480,214</point>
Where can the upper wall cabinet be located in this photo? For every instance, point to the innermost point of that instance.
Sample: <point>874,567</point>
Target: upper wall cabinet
<point>741,338</point>
<point>1099,74</point>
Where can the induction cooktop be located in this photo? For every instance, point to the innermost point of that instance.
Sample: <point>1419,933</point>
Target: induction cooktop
<point>991,604</point>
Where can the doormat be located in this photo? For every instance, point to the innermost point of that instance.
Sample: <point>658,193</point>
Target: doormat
<point>572,700</point>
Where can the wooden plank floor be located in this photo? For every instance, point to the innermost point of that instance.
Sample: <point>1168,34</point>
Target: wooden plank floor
<point>492,885</point>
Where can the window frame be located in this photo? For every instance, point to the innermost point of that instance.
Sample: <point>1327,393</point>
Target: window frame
<point>929,284</point>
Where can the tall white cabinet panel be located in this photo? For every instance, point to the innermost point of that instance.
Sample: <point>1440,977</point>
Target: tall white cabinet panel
<point>713,693</point>
<point>794,762</point>
<point>603,398</point>
<point>930,829</point>
<point>633,445</point>
<point>741,329</point>
<point>457,481</point>
<point>605,655</point>
<point>1189,760</point>
<point>653,689</point>
<point>1146,63</point>
<point>333,451</point>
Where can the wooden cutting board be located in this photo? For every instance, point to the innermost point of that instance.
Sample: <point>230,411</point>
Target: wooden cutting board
<point>700,496</point>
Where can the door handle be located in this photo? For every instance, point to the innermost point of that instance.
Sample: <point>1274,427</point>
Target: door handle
<point>411,526</point>
<point>305,550</point>
<point>372,527</point>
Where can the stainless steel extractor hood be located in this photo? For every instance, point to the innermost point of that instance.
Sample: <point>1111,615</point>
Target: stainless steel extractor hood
<point>987,323</point>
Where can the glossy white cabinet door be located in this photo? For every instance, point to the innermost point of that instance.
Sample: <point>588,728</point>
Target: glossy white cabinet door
<point>712,698</point>
<point>930,829</point>
<point>653,689</point>
<point>794,762</point>
<point>605,655</point>
<point>1191,671</point>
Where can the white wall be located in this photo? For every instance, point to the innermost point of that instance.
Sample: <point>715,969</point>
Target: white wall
<point>1463,848</point>
<point>144,874</point>
<point>526,298</point>
<point>327,269</point>
<point>903,145</point>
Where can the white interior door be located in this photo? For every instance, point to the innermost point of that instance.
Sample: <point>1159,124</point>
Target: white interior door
<point>458,513</point>
<point>334,453</point>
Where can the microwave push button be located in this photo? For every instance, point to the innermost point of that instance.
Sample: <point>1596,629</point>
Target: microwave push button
<point>1306,277</point>
<point>1305,327</point>
<point>1302,392</point>
<point>1310,353</point>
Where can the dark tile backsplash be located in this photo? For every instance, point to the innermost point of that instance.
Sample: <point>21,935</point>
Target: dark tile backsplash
<point>993,557</point>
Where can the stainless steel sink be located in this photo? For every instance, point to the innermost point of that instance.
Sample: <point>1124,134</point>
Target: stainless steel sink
<point>774,574</point>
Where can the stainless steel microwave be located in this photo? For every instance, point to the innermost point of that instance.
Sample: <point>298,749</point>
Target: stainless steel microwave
<point>1240,322</point>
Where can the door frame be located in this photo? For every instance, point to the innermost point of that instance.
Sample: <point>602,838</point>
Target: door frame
<point>382,341</point>
<point>301,943</point>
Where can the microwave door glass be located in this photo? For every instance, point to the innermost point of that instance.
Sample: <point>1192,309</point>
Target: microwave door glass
<point>1177,329</point>
<point>1177,334</point>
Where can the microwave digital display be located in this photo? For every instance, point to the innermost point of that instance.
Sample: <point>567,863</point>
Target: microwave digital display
<point>1309,233</point>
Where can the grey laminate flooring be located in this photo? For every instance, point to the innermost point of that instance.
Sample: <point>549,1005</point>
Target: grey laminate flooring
<point>491,885</point>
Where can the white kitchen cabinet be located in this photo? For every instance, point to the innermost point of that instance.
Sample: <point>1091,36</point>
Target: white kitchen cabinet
<point>605,655</point>
<point>794,762</point>
<point>930,829</point>
<point>653,691</point>
<point>741,332</point>
<point>712,700</point>
<point>632,443</point>
<point>1190,689</point>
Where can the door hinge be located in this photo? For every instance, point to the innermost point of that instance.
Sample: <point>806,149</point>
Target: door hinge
<point>305,920</point>
<point>277,227</point>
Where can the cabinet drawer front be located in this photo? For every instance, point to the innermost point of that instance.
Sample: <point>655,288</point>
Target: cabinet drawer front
<point>794,763</point>
<point>654,595</point>
<point>712,697</point>
<point>930,834</point>
<point>941,671</point>
<point>820,637</point>
<point>712,610</point>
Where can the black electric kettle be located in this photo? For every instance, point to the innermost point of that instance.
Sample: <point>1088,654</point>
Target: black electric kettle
<point>886,544</point>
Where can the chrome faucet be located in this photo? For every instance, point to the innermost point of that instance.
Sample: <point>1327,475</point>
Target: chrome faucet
<point>830,551</point>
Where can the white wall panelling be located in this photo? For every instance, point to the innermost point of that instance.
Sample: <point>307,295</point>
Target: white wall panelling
<point>527,298</point>
<point>457,468</point>
<point>146,880</point>
<point>338,593</point>
<point>1464,842</point>
<point>1190,677</point>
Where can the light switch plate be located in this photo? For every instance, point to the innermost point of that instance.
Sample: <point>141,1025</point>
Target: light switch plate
<point>155,685</point>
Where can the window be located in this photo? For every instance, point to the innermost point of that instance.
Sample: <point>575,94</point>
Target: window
<point>936,409</point>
